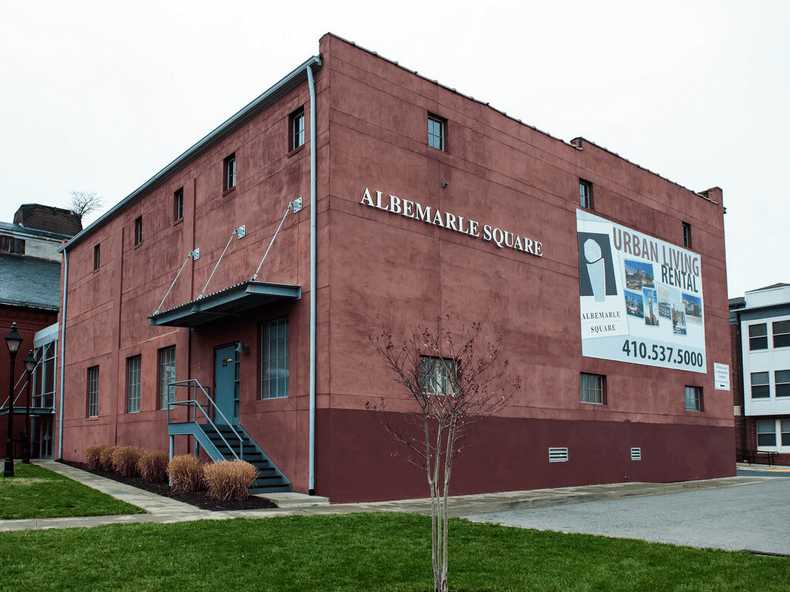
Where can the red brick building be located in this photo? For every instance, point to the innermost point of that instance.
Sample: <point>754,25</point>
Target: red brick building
<point>163,289</point>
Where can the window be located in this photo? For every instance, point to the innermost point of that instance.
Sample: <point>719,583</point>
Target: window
<point>437,132</point>
<point>133,384</point>
<point>782,383</point>
<point>229,173</point>
<point>585,195</point>
<point>274,359</point>
<point>761,386</point>
<point>138,231</point>
<point>13,245</point>
<point>693,398</point>
<point>781,331</point>
<point>296,129</point>
<point>178,205</point>
<point>758,336</point>
<point>96,257</point>
<point>166,358</point>
<point>785,429</point>
<point>592,388</point>
<point>766,432</point>
<point>44,375</point>
<point>687,235</point>
<point>93,392</point>
<point>438,376</point>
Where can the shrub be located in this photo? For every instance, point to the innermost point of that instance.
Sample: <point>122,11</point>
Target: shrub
<point>124,460</point>
<point>229,480</point>
<point>105,458</point>
<point>93,456</point>
<point>152,466</point>
<point>186,474</point>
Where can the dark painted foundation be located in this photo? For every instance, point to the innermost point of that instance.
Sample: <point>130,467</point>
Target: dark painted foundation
<point>359,461</point>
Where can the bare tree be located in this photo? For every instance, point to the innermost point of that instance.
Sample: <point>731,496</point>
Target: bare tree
<point>454,379</point>
<point>84,203</point>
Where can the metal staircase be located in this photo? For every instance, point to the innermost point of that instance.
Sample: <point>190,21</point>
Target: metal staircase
<point>199,416</point>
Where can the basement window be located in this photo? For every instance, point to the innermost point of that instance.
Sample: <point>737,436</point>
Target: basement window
<point>296,129</point>
<point>592,388</point>
<point>437,132</point>
<point>138,231</point>
<point>229,173</point>
<point>178,205</point>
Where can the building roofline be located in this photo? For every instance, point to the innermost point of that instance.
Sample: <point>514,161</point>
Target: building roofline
<point>33,232</point>
<point>570,144</point>
<point>218,132</point>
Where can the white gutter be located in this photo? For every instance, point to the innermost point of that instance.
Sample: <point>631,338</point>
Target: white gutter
<point>313,286</point>
<point>61,357</point>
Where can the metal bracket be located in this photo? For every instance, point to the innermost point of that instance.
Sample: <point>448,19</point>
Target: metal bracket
<point>296,204</point>
<point>241,231</point>
<point>195,254</point>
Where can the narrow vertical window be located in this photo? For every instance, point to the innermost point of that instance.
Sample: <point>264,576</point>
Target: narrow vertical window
<point>166,362</point>
<point>96,257</point>
<point>178,205</point>
<point>781,333</point>
<point>766,432</point>
<point>133,384</point>
<point>229,173</point>
<point>296,129</point>
<point>585,195</point>
<point>758,336</point>
<point>138,231</point>
<point>761,385</point>
<point>437,132</point>
<point>438,376</point>
<point>693,398</point>
<point>592,388</point>
<point>687,235</point>
<point>274,359</point>
<point>47,370</point>
<point>93,392</point>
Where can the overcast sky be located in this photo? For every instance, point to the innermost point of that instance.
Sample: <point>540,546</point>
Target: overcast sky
<point>99,96</point>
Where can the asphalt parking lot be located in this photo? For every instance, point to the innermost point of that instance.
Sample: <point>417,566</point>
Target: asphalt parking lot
<point>753,516</point>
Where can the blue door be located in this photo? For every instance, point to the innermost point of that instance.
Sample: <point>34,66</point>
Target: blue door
<point>226,383</point>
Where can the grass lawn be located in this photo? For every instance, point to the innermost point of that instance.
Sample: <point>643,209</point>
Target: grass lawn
<point>363,552</point>
<point>38,493</point>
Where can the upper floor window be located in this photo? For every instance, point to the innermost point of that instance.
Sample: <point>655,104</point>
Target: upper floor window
<point>296,129</point>
<point>693,398</point>
<point>229,173</point>
<point>92,394</point>
<point>758,336</point>
<point>782,383</point>
<point>761,385</point>
<point>133,384</point>
<point>592,388</point>
<point>781,332</point>
<point>438,376</point>
<point>138,231</point>
<point>96,256</point>
<point>13,245</point>
<point>274,359</point>
<point>437,132</point>
<point>687,235</point>
<point>585,195</point>
<point>178,205</point>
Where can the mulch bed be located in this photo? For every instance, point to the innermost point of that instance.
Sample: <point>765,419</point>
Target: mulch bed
<point>199,499</point>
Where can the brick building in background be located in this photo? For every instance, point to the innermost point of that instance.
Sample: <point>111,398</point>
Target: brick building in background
<point>30,297</point>
<point>249,273</point>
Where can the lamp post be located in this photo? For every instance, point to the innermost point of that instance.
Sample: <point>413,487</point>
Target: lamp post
<point>30,364</point>
<point>13,340</point>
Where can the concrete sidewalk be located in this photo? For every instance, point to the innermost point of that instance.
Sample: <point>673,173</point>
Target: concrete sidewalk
<point>163,510</point>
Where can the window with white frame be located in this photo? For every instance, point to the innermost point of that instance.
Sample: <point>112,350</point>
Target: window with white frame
<point>693,398</point>
<point>437,132</point>
<point>761,385</point>
<point>782,383</point>
<point>766,432</point>
<point>438,376</point>
<point>592,388</point>
<point>781,333</point>
<point>758,336</point>
<point>785,431</point>
<point>274,359</point>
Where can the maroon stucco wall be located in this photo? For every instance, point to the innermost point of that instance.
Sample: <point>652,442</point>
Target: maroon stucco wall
<point>376,269</point>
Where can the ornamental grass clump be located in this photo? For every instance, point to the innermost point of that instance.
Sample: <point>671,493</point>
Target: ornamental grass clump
<point>186,474</point>
<point>229,480</point>
<point>124,460</point>
<point>152,466</point>
<point>105,458</point>
<point>93,456</point>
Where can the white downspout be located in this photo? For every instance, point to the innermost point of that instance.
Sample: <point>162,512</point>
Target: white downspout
<point>313,282</point>
<point>62,357</point>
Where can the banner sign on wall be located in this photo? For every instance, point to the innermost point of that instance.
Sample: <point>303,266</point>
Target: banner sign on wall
<point>640,297</point>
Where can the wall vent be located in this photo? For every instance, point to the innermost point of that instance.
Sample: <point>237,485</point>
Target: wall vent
<point>636,454</point>
<point>557,455</point>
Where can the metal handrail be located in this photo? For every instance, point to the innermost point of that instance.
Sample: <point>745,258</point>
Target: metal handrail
<point>195,383</point>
